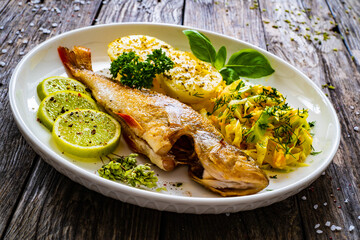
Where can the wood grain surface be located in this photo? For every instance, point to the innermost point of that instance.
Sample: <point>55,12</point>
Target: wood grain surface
<point>37,202</point>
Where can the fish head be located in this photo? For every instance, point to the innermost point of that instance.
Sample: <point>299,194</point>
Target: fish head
<point>226,169</point>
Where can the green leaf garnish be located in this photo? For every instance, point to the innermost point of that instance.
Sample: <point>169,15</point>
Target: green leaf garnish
<point>137,74</point>
<point>250,63</point>
<point>220,58</point>
<point>160,61</point>
<point>229,75</point>
<point>245,63</point>
<point>201,46</point>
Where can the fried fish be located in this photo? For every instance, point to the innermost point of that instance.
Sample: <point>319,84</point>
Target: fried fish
<point>169,132</point>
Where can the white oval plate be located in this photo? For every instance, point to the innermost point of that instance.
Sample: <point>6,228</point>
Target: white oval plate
<point>301,92</point>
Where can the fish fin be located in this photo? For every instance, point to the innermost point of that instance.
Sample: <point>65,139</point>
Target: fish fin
<point>165,162</point>
<point>130,121</point>
<point>225,192</point>
<point>77,58</point>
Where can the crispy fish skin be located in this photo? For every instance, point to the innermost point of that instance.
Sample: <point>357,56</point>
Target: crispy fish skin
<point>156,125</point>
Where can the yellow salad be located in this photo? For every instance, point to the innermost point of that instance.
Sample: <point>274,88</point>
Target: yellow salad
<point>258,119</point>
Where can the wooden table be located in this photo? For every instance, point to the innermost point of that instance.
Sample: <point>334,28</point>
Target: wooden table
<point>38,202</point>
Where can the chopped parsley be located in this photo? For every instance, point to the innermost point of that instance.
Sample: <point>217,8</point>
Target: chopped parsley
<point>137,74</point>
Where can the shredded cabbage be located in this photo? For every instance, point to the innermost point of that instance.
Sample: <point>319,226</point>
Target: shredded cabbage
<point>258,119</point>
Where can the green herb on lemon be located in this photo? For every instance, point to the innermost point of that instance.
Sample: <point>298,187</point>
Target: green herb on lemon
<point>126,169</point>
<point>244,63</point>
<point>137,74</point>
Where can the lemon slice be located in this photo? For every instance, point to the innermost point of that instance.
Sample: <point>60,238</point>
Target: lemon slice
<point>60,102</point>
<point>86,133</point>
<point>57,83</point>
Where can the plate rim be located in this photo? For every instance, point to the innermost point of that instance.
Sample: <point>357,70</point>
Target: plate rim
<point>212,202</point>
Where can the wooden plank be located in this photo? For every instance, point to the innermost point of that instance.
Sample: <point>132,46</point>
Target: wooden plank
<point>328,62</point>
<point>16,155</point>
<point>55,207</point>
<point>346,15</point>
<point>165,11</point>
<point>275,222</point>
<point>3,5</point>
<point>58,208</point>
<point>18,36</point>
<point>63,209</point>
<point>232,18</point>
<point>280,42</point>
<point>281,220</point>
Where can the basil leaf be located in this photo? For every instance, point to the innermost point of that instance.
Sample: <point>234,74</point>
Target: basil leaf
<point>220,58</point>
<point>202,35</point>
<point>201,46</point>
<point>229,75</point>
<point>250,63</point>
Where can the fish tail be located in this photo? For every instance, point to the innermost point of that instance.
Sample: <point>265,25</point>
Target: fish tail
<point>77,58</point>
